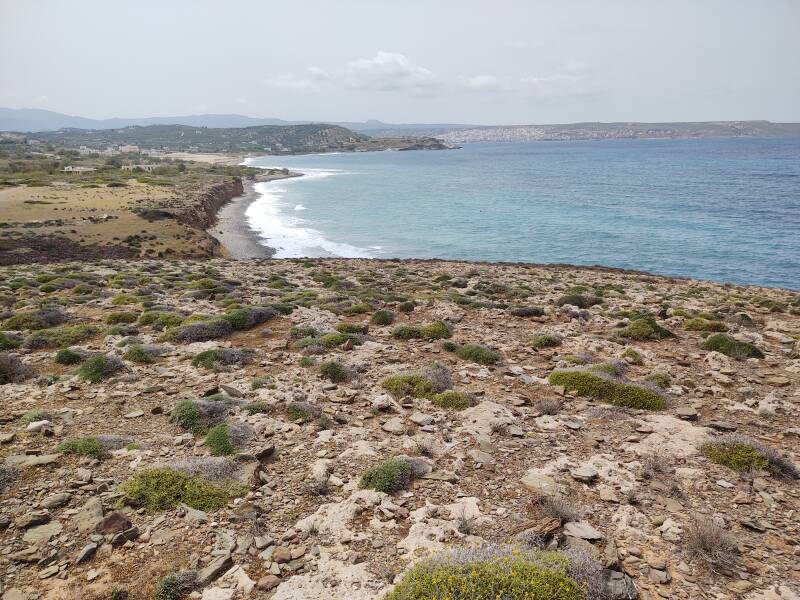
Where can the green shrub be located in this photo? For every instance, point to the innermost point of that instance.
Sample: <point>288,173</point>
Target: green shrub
<point>545,340</point>
<point>662,380</point>
<point>436,330</point>
<point>138,354</point>
<point>450,399</point>
<point>218,440</point>
<point>409,384</point>
<point>644,328</point>
<point>329,340</point>
<point>300,331</point>
<point>477,354</point>
<point>65,356</point>
<point>257,408</point>
<point>160,319</point>
<point>163,489</point>
<point>333,371</point>
<point>633,356</point>
<point>8,342</point>
<point>390,476</point>
<point>358,309</point>
<point>306,362</point>
<point>115,318</point>
<point>406,307</point>
<point>206,359</point>
<point>729,346</point>
<point>259,382</point>
<point>605,389</point>
<point>701,324</point>
<point>526,311</point>
<point>187,415</point>
<point>85,446</point>
<point>122,299</point>
<point>59,337</point>
<point>351,328</point>
<point>99,367</point>
<point>36,414</point>
<point>382,317</point>
<point>744,454</point>
<point>27,320</point>
<point>491,573</point>
<point>579,300</point>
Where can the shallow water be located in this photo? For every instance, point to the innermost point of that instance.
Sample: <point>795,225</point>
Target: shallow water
<point>727,210</point>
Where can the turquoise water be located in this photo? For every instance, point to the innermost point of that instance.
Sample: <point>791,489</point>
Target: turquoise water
<point>726,210</point>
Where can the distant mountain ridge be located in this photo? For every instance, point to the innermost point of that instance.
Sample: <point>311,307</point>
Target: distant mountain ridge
<point>38,121</point>
<point>35,120</point>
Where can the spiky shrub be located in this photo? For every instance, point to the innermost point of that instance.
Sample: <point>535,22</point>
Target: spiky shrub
<point>633,356</point>
<point>477,354</point>
<point>9,342</point>
<point>557,506</point>
<point>744,454</point>
<point>37,319</point>
<point>176,586</point>
<point>85,446</point>
<point>729,346</point>
<point>423,383</point>
<point>138,354</point>
<point>333,371</point>
<point>187,415</point>
<point>329,340</point>
<point>644,328</point>
<point>257,408</point>
<point>65,356</point>
<point>453,400</point>
<point>382,318</point>
<point>219,442</point>
<point>302,411</point>
<point>526,311</point>
<point>100,367</point>
<point>545,340</point>
<point>59,337</point>
<point>116,318</point>
<point>160,319</point>
<point>431,331</point>
<point>701,324</point>
<point>579,300</point>
<point>390,476</point>
<point>351,328</point>
<point>662,380</point>
<point>162,489</point>
<point>489,573</point>
<point>606,389</point>
<point>712,546</point>
<point>13,370</point>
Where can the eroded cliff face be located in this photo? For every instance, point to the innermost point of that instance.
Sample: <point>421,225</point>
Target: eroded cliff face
<point>201,210</point>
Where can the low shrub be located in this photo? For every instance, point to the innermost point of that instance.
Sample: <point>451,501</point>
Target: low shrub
<point>85,446</point>
<point>424,383</point>
<point>545,340</point>
<point>721,342</point>
<point>431,331</point>
<point>579,300</point>
<point>9,342</point>
<point>711,545</point>
<point>257,408</point>
<point>390,476</point>
<point>453,400</point>
<point>160,319</point>
<point>382,317</point>
<point>701,324</point>
<point>526,311</point>
<point>644,328</point>
<point>219,442</point>
<point>162,489</point>
<point>606,389</point>
<point>330,340</point>
<point>302,411</point>
<point>35,414</point>
<point>13,370</point>
<point>59,337</point>
<point>215,358</point>
<point>115,318</point>
<point>65,356</point>
<point>662,380</point>
<point>477,354</point>
<point>333,371</point>
<point>406,307</point>
<point>177,586</point>
<point>138,354</point>
<point>198,416</point>
<point>633,356</point>
<point>351,328</point>
<point>744,454</point>
<point>489,573</point>
<point>36,319</point>
<point>100,367</point>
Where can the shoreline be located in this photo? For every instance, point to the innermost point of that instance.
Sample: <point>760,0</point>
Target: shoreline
<point>236,238</point>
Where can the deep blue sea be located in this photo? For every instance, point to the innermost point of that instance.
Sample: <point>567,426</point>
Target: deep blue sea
<point>725,210</point>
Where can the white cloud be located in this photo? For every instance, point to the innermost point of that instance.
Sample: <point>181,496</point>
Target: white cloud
<point>485,83</point>
<point>313,80</point>
<point>389,72</point>
<point>574,80</point>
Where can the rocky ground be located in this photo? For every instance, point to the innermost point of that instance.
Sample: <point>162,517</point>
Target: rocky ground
<point>604,414</point>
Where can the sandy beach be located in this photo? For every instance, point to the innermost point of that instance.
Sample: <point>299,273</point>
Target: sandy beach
<point>232,230</point>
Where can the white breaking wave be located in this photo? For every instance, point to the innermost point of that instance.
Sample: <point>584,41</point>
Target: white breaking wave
<point>289,235</point>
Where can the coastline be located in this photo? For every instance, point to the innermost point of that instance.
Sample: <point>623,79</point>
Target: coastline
<point>237,240</point>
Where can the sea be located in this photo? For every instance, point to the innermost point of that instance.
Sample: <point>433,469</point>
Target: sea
<point>720,209</point>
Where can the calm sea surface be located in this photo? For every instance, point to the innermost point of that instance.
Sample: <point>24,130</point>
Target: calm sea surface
<point>727,210</point>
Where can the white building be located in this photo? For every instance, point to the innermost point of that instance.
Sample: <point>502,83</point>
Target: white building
<point>148,168</point>
<point>74,169</point>
<point>129,149</point>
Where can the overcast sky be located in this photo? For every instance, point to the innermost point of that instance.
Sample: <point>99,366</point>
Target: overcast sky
<point>455,61</point>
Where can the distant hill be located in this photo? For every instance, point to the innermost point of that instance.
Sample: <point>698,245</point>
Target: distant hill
<point>34,120</point>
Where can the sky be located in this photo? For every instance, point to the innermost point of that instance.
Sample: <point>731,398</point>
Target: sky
<point>405,61</point>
